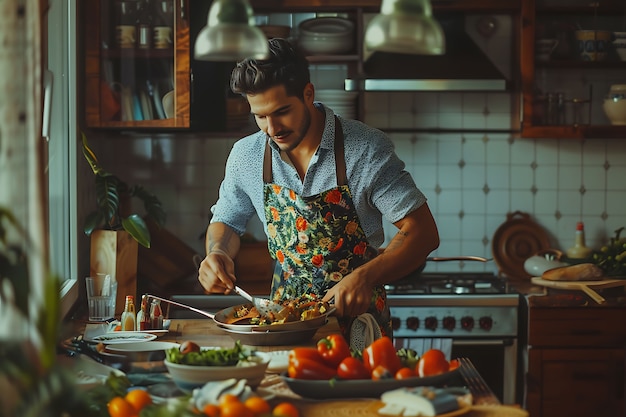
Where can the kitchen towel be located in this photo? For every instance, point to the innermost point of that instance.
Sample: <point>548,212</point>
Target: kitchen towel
<point>363,331</point>
<point>421,344</point>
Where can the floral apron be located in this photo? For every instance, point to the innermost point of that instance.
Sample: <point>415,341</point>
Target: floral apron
<point>317,240</point>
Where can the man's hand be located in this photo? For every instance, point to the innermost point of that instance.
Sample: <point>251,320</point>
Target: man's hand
<point>217,272</point>
<point>352,296</point>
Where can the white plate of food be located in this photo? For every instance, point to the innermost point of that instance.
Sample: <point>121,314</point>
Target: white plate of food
<point>142,352</point>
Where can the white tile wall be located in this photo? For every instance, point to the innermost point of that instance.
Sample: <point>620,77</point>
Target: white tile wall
<point>472,180</point>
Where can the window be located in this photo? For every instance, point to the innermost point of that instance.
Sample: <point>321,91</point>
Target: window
<point>61,117</point>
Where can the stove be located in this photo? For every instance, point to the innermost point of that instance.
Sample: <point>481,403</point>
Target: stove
<point>476,312</point>
<point>453,305</point>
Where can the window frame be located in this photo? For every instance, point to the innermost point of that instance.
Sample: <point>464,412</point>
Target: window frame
<point>61,169</point>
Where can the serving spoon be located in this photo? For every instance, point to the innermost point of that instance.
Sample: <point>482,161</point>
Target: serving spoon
<point>263,305</point>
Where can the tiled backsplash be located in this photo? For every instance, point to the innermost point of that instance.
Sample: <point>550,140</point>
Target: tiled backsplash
<point>472,180</point>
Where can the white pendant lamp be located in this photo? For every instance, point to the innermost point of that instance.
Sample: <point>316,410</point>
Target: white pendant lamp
<point>230,34</point>
<point>405,27</point>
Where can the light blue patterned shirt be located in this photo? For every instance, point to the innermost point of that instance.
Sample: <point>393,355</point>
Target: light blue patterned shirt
<point>376,177</point>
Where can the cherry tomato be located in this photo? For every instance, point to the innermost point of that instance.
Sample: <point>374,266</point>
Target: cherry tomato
<point>382,353</point>
<point>352,368</point>
<point>432,362</point>
<point>189,346</point>
<point>404,373</point>
<point>454,363</point>
<point>333,349</point>
<point>380,372</point>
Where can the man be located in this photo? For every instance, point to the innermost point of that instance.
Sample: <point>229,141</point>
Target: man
<point>322,184</point>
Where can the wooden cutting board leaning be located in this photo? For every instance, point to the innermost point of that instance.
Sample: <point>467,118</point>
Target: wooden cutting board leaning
<point>587,287</point>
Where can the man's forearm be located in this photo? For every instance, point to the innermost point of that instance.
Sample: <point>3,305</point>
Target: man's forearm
<point>220,237</point>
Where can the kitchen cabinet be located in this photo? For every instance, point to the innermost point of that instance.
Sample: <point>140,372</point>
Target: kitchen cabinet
<point>562,93</point>
<point>136,63</point>
<point>576,361</point>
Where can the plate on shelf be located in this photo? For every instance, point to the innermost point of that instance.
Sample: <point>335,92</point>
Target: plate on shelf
<point>111,338</point>
<point>362,388</point>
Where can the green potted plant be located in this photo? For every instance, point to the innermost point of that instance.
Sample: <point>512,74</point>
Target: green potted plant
<point>115,230</point>
<point>113,201</point>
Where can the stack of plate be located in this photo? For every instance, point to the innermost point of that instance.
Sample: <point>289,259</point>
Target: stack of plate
<point>342,102</point>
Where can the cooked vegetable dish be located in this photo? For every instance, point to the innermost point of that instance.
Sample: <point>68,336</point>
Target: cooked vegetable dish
<point>305,307</point>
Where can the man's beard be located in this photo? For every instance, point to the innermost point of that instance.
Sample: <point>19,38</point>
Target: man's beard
<point>301,133</point>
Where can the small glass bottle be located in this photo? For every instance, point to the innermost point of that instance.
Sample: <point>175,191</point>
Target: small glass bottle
<point>143,315</point>
<point>128,316</point>
<point>156,315</point>
<point>144,26</point>
<point>580,249</point>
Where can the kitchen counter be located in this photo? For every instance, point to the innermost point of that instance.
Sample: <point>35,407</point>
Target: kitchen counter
<point>539,296</point>
<point>207,333</point>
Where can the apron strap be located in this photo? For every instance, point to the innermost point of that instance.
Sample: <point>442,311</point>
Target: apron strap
<point>340,158</point>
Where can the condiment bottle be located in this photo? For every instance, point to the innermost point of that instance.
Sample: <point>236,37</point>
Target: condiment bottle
<point>156,315</point>
<point>580,249</point>
<point>143,315</point>
<point>128,316</point>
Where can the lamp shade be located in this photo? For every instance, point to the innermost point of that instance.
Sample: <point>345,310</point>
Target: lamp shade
<point>405,27</point>
<point>230,34</point>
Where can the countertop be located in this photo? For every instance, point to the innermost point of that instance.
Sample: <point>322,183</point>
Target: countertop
<point>542,297</point>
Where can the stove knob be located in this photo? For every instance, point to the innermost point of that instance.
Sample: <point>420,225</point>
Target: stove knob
<point>449,322</point>
<point>413,323</point>
<point>430,322</point>
<point>485,323</point>
<point>467,323</point>
<point>395,323</point>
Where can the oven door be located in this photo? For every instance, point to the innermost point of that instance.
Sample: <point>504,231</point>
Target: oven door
<point>496,361</point>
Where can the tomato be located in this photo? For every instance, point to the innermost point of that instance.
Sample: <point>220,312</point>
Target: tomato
<point>258,405</point>
<point>333,349</point>
<point>382,353</point>
<point>138,398</point>
<point>305,368</point>
<point>404,373</point>
<point>454,363</point>
<point>119,407</point>
<point>380,372</point>
<point>211,410</point>
<point>352,368</point>
<point>189,346</point>
<point>432,362</point>
<point>286,410</point>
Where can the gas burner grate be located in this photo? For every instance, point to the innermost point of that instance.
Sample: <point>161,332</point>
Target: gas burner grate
<point>454,284</point>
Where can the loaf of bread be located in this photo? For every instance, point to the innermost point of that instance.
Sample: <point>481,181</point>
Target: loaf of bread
<point>578,272</point>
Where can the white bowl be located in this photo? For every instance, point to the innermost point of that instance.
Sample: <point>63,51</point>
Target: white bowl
<point>188,377</point>
<point>326,35</point>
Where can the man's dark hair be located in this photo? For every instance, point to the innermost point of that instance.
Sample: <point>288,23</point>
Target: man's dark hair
<point>286,65</point>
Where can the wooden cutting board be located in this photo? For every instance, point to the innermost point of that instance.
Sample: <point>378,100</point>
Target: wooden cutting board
<point>586,286</point>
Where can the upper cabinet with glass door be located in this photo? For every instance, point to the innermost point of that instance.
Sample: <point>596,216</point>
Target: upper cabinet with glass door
<point>572,56</point>
<point>137,67</point>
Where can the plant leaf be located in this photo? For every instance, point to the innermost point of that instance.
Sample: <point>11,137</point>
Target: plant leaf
<point>90,156</point>
<point>137,228</point>
<point>93,221</point>
<point>151,203</point>
<point>107,197</point>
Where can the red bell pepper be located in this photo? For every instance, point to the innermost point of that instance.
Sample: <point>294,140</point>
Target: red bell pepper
<point>306,368</point>
<point>333,349</point>
<point>382,353</point>
<point>352,368</point>
<point>305,352</point>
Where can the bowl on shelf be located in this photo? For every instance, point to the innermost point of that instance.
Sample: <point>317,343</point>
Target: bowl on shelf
<point>614,105</point>
<point>188,377</point>
<point>593,45</point>
<point>326,35</point>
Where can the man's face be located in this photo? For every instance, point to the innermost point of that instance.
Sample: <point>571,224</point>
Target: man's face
<point>285,119</point>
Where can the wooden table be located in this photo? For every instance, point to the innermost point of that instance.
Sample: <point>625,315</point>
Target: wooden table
<point>205,332</point>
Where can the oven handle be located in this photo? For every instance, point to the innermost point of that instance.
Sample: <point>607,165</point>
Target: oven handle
<point>498,342</point>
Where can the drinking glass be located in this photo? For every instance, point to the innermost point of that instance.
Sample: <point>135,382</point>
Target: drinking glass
<point>101,294</point>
